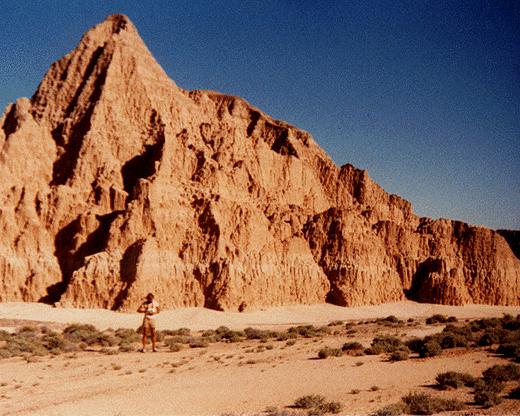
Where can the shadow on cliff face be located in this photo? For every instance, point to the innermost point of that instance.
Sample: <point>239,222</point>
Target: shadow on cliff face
<point>419,289</point>
<point>71,146</point>
<point>70,258</point>
<point>128,271</point>
<point>513,239</point>
<point>144,164</point>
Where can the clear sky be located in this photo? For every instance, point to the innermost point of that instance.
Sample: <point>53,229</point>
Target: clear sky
<point>425,95</point>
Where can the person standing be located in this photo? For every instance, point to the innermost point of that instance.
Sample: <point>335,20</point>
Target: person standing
<point>150,307</point>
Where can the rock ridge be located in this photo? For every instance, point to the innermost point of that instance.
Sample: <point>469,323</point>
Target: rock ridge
<point>116,182</point>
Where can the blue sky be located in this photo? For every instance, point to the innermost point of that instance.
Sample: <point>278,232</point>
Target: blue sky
<point>425,95</point>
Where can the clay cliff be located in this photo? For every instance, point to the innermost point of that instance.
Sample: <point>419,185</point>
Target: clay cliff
<point>116,182</point>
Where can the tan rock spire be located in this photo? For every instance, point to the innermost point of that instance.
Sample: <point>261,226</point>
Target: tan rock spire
<point>116,183</point>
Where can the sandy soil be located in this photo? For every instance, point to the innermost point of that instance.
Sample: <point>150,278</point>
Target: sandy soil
<point>238,378</point>
<point>200,318</point>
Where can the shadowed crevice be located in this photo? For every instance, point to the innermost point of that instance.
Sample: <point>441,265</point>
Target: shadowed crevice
<point>128,271</point>
<point>513,239</point>
<point>255,116</point>
<point>418,291</point>
<point>10,123</point>
<point>71,146</point>
<point>71,259</point>
<point>143,165</point>
<point>283,146</point>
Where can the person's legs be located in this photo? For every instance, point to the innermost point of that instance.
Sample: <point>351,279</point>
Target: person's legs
<point>154,338</point>
<point>144,334</point>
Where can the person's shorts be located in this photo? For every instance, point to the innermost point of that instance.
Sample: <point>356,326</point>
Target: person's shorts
<point>149,323</point>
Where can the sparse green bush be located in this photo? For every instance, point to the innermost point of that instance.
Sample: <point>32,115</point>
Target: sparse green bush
<point>454,379</point>
<point>424,404</point>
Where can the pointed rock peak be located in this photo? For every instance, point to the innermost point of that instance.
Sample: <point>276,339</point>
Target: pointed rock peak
<point>112,26</point>
<point>119,22</point>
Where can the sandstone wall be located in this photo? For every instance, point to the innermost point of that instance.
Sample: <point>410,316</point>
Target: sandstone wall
<point>117,183</point>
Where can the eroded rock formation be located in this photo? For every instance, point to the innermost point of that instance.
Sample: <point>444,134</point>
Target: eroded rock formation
<point>116,182</point>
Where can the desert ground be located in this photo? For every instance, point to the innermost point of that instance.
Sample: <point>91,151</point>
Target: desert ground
<point>256,375</point>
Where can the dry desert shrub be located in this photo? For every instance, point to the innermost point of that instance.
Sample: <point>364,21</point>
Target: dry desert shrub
<point>424,404</point>
<point>439,319</point>
<point>327,352</point>
<point>308,331</point>
<point>502,373</point>
<point>309,401</point>
<point>172,345</point>
<point>392,410</point>
<point>386,344</point>
<point>353,348</point>
<point>198,343</point>
<point>400,355</point>
<point>487,394</point>
<point>453,379</point>
<point>261,334</point>
<point>316,404</point>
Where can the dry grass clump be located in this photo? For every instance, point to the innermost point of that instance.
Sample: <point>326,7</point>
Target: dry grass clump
<point>308,331</point>
<point>353,348</point>
<point>350,348</point>
<point>400,355</point>
<point>261,334</point>
<point>453,379</point>
<point>198,343</point>
<point>487,389</point>
<point>386,344</point>
<point>440,319</point>
<point>317,405</point>
<point>420,404</point>
<point>327,352</point>
<point>450,337</point>
<point>390,320</point>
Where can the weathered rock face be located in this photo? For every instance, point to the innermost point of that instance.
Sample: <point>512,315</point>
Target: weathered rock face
<point>115,182</point>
